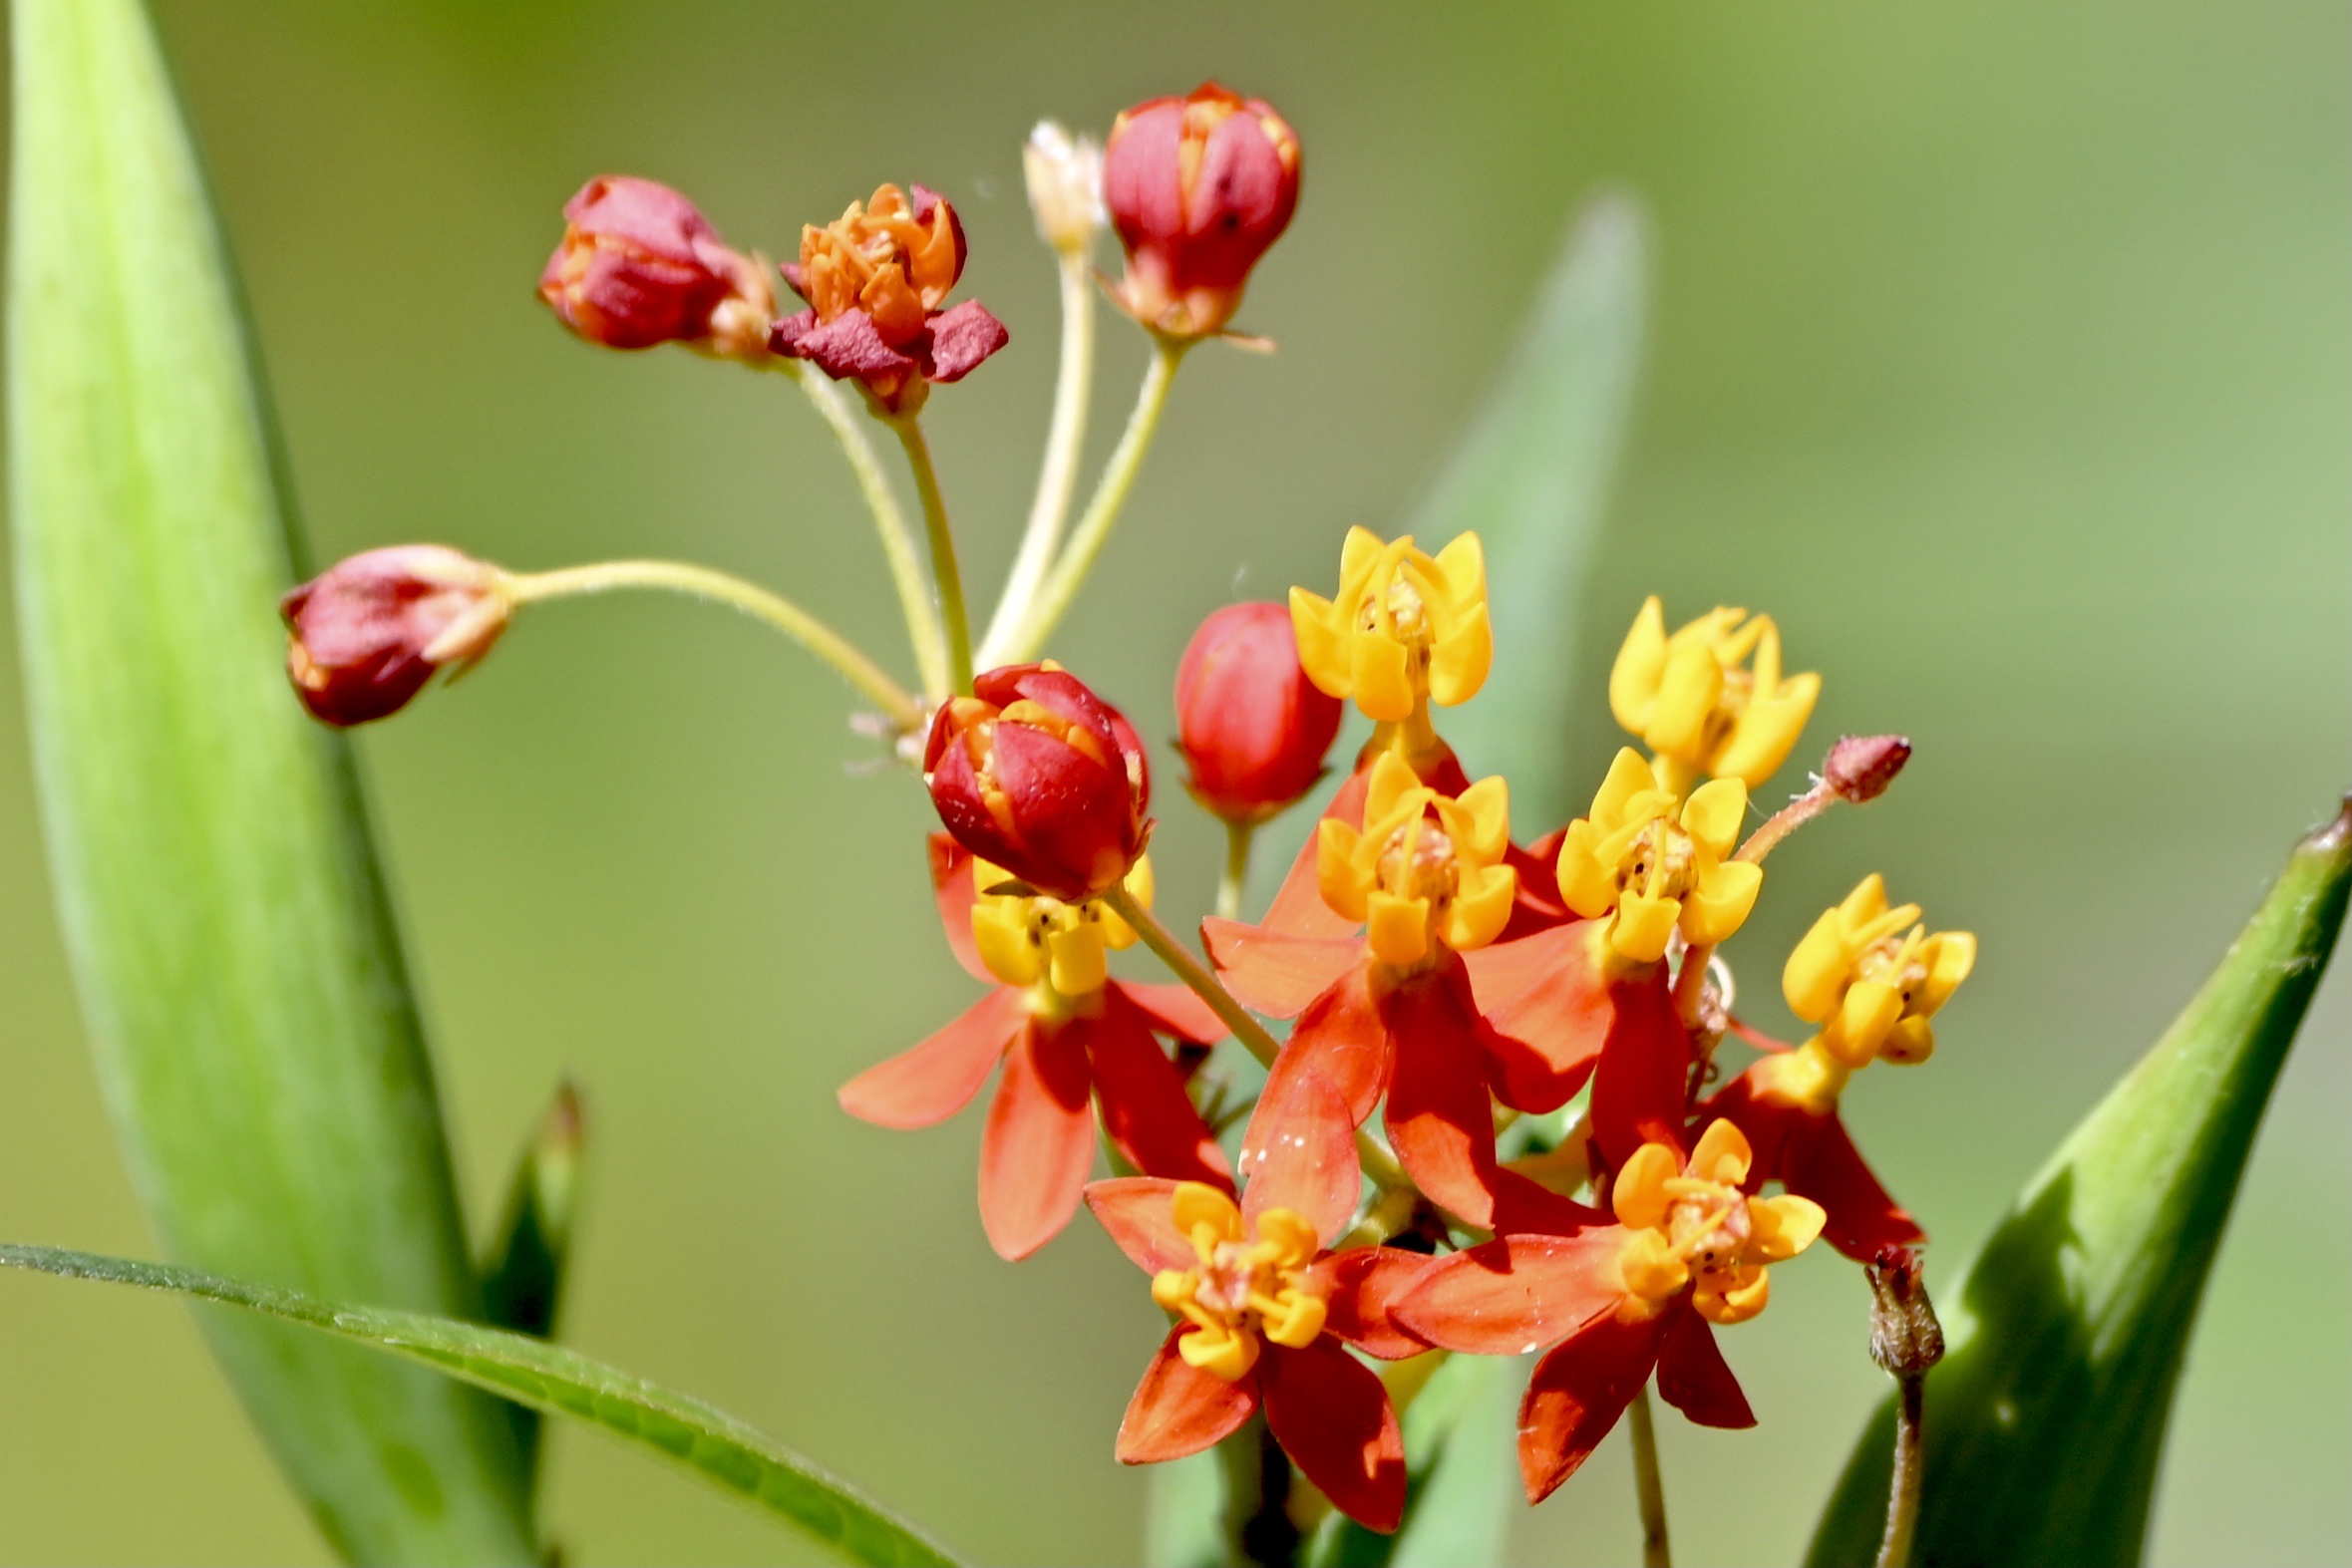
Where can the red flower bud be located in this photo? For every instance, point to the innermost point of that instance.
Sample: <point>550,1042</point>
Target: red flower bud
<point>639,266</point>
<point>1039,776</point>
<point>370,632</point>
<point>1861,767</point>
<point>1251,725</point>
<point>1198,188</point>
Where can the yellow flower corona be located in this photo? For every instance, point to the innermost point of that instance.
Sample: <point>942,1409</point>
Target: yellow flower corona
<point>1028,938</point>
<point>1406,626</point>
<point>1241,1286</point>
<point>1692,1225</point>
<point>1870,986</point>
<point>1709,700</point>
<point>1652,870</point>
<point>1424,869</point>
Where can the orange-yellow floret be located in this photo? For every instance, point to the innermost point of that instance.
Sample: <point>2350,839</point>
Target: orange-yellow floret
<point>1699,704</point>
<point>1405,627</point>
<point>1691,1225</point>
<point>1029,939</point>
<point>1425,868</point>
<point>878,258</point>
<point>1653,869</point>
<point>1241,1287</point>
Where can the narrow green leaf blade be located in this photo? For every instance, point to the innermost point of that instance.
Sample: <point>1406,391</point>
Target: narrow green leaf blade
<point>1530,474</point>
<point>237,964</point>
<point>2046,1420</point>
<point>715,1446</point>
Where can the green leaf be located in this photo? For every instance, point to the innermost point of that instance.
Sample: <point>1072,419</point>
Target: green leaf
<point>237,964</point>
<point>2045,1422</point>
<point>522,1278</point>
<point>1184,1512</point>
<point>1461,1464</point>
<point>1530,474</point>
<point>715,1446</point>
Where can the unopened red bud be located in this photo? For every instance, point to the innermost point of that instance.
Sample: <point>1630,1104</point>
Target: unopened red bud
<point>1198,188</point>
<point>1905,1337</point>
<point>640,265</point>
<point>1252,726</point>
<point>367,634</point>
<point>1861,767</point>
<point>1039,776</point>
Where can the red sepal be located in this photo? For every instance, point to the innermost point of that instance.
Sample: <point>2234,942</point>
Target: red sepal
<point>1332,1416</point>
<point>1179,1410</point>
<point>1537,905</point>
<point>938,1078</point>
<point>1577,1392</point>
<point>1039,1142</point>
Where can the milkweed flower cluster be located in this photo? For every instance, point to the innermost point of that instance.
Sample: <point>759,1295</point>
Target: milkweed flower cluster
<point>1497,1122</point>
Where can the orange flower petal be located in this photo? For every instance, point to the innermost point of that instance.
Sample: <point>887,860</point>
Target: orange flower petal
<point>1577,1392</point>
<point>1366,1284</point>
<point>1300,1153</point>
<point>1039,1142</point>
<point>1139,1214</point>
<point>1179,1410</point>
<point>1439,1118</point>
<point>1147,1115</point>
<point>938,1078</point>
<point>1275,972</point>
<point>1515,1294</point>
<point>1332,1416</point>
<point>1693,1379</point>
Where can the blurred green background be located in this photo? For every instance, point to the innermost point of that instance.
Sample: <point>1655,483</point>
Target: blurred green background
<point>2000,351</point>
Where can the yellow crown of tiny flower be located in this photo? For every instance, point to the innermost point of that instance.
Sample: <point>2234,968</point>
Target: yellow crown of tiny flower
<point>1236,1280</point>
<point>1025,938</point>
<point>1691,1225</point>
<point>1417,883</point>
<point>1691,704</point>
<point>1405,626</point>
<point>1871,987</point>
<point>1657,869</point>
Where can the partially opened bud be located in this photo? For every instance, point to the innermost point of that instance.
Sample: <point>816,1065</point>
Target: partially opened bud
<point>1198,187</point>
<point>640,265</point>
<point>1250,724</point>
<point>1861,767</point>
<point>366,635</point>
<point>1039,776</point>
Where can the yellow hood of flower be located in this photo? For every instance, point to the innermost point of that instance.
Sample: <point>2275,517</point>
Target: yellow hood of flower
<point>1655,869</point>
<point>1025,939</point>
<point>1871,987</point>
<point>1690,1225</point>
<point>1696,699</point>
<point>1418,882</point>
<point>1405,626</point>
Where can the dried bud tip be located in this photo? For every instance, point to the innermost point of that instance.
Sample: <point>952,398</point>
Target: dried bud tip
<point>1861,767</point>
<point>1905,1337</point>
<point>1064,177</point>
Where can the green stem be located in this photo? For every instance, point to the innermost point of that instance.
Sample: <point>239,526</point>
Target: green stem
<point>1229,887</point>
<point>925,631</point>
<point>944,570</point>
<point>1118,478</point>
<point>1647,1485</point>
<point>1903,1502</point>
<point>1058,478</point>
<point>703,583</point>
<point>1377,1161</point>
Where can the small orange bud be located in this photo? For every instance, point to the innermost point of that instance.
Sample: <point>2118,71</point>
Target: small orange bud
<point>640,265</point>
<point>1250,724</point>
<point>1198,187</point>
<point>368,633</point>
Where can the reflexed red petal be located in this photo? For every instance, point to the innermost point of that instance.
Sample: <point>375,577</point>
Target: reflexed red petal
<point>1147,1115</point>
<point>1440,1121</point>
<point>1301,1154</point>
<point>961,337</point>
<point>1175,1009</point>
<point>1332,1416</point>
<point>1549,1011</point>
<point>1536,906</point>
<point>1139,1214</point>
<point>1039,1142</point>
<point>1180,1410</point>
<point>1524,1208</point>
<point>1343,1037</point>
<point>1642,1078</point>
<point>951,884</point>
<point>1366,1285</point>
<point>1516,1294</point>
<point>1577,1392</point>
<point>1693,1379</point>
<point>1275,972</point>
<point>938,1078</point>
<point>1822,1163</point>
<point>1298,908</point>
<point>848,347</point>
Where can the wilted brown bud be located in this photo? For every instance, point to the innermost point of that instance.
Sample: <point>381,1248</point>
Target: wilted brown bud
<point>369,632</point>
<point>1861,767</point>
<point>1905,1337</point>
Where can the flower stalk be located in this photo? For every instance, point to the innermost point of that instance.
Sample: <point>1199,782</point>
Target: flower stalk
<point>946,575</point>
<point>1057,478</point>
<point>1235,880</point>
<point>1649,1488</point>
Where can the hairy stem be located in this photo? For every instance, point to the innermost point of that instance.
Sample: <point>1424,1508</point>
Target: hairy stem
<point>1058,478</point>
<point>1902,1501</point>
<point>944,571</point>
<point>1647,1486</point>
<point>1811,804</point>
<point>1111,492</point>
<point>925,632</point>
<point>703,583</point>
<point>1236,877</point>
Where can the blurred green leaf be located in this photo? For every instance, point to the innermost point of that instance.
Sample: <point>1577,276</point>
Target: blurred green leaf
<point>523,1277</point>
<point>2046,1420</point>
<point>1530,474</point>
<point>715,1446</point>
<point>1183,1512</point>
<point>238,963</point>
<point>1460,1461</point>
